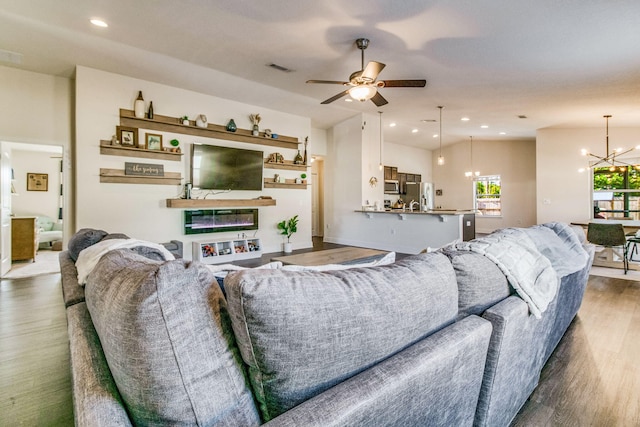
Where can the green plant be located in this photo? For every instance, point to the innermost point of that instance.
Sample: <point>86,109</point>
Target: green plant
<point>184,118</point>
<point>174,142</point>
<point>288,226</point>
<point>303,175</point>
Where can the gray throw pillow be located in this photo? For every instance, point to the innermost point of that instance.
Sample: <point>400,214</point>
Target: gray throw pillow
<point>84,238</point>
<point>167,338</point>
<point>302,332</point>
<point>481,283</point>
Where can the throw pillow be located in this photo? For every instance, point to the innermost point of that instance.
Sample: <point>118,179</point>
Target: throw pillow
<point>167,338</point>
<point>302,332</point>
<point>83,239</point>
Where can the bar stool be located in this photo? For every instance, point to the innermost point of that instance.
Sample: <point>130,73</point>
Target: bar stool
<point>633,240</point>
<point>609,236</point>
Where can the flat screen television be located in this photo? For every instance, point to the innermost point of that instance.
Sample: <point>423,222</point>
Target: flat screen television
<point>225,168</point>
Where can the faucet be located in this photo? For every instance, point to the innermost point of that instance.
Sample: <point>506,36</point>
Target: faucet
<point>411,205</point>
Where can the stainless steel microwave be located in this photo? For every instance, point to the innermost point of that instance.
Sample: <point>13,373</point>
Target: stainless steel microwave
<point>391,186</point>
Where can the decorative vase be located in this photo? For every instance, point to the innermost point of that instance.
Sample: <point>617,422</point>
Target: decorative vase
<point>201,121</point>
<point>150,114</point>
<point>138,106</point>
<point>255,131</point>
<point>231,126</point>
<point>288,248</point>
<point>185,122</point>
<point>298,159</point>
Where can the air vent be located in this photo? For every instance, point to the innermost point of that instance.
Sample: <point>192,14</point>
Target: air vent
<point>522,116</point>
<point>428,121</point>
<point>280,68</point>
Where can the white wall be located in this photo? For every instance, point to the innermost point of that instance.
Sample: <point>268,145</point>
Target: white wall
<point>38,108</point>
<point>563,193</point>
<point>514,161</point>
<point>408,159</point>
<point>140,210</point>
<point>41,203</point>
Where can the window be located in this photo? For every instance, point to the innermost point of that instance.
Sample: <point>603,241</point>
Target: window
<point>487,200</point>
<point>616,193</point>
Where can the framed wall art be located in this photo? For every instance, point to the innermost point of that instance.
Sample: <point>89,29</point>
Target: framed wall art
<point>128,136</point>
<point>37,181</point>
<point>153,141</point>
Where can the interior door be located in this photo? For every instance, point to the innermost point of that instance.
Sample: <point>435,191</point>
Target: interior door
<point>5,208</point>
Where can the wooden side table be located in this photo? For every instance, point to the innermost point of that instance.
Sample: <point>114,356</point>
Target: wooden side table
<point>24,238</point>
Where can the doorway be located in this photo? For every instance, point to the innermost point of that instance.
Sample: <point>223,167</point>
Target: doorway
<point>32,226</point>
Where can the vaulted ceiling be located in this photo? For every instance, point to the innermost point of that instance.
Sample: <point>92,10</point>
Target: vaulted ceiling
<point>558,63</point>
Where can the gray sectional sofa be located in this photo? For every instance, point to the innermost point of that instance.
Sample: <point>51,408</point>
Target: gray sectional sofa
<point>440,339</point>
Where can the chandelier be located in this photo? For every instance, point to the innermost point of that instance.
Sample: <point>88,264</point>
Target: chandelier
<point>440,158</point>
<point>611,158</point>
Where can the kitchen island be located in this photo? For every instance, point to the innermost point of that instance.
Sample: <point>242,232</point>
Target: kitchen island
<point>406,231</point>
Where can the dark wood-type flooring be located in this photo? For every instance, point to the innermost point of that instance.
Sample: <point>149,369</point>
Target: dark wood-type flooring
<point>592,379</point>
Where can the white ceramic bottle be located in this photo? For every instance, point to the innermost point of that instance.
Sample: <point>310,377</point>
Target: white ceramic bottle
<point>138,106</point>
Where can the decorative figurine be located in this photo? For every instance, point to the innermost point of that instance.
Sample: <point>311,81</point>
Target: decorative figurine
<point>231,126</point>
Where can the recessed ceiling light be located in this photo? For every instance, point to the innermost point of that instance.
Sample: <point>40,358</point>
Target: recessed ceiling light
<point>503,133</point>
<point>465,119</point>
<point>428,121</point>
<point>484,126</point>
<point>435,135</point>
<point>392,125</point>
<point>348,100</point>
<point>414,131</point>
<point>99,23</point>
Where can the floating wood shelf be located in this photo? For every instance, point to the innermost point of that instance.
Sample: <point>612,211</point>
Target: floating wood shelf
<point>218,203</point>
<point>287,165</point>
<point>289,183</point>
<point>120,150</point>
<point>117,176</point>
<point>174,124</point>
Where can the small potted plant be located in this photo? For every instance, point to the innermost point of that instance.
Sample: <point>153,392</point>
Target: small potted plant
<point>184,120</point>
<point>287,228</point>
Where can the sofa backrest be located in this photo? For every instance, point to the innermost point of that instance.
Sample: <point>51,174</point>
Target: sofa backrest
<point>166,336</point>
<point>302,332</point>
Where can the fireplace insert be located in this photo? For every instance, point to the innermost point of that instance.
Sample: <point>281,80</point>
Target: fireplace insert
<point>219,220</point>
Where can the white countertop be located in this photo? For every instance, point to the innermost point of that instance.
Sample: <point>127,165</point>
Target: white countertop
<point>418,212</point>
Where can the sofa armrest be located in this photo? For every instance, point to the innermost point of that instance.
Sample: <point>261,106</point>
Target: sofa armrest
<point>96,401</point>
<point>72,292</point>
<point>433,382</point>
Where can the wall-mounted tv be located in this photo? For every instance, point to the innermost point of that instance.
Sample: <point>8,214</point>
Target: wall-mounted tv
<point>225,168</point>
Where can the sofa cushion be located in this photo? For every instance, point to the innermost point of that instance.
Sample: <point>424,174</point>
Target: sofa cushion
<point>166,336</point>
<point>84,238</point>
<point>481,284</point>
<point>302,332</point>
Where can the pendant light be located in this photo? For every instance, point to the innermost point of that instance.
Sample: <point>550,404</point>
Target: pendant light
<point>470,173</point>
<point>440,158</point>
<point>610,159</point>
<point>380,166</point>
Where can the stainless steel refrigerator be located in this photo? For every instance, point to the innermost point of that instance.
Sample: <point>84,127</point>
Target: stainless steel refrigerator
<point>421,192</point>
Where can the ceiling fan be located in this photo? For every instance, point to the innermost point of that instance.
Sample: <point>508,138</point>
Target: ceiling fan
<point>363,82</point>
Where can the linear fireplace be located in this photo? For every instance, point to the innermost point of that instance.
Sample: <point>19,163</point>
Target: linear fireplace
<point>219,220</point>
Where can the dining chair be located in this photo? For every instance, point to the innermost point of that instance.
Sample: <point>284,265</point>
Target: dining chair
<point>609,236</point>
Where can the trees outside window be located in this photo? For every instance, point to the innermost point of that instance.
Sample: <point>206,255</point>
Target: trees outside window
<point>488,197</point>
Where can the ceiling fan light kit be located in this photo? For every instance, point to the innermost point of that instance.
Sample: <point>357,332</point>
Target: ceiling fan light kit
<point>363,82</point>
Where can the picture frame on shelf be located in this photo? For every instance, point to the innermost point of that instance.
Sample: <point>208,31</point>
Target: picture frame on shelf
<point>153,141</point>
<point>128,136</point>
<point>37,181</point>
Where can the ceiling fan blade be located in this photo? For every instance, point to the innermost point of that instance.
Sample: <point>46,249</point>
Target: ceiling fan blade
<point>404,83</point>
<point>329,82</point>
<point>379,100</point>
<point>371,71</point>
<point>333,98</point>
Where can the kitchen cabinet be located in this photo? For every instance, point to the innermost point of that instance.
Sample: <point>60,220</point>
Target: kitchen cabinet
<point>402,180</point>
<point>391,173</point>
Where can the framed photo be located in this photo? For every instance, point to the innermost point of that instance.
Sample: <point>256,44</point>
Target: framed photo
<point>153,141</point>
<point>37,181</point>
<point>127,136</point>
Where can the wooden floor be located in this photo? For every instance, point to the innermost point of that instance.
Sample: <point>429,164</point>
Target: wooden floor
<point>592,379</point>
